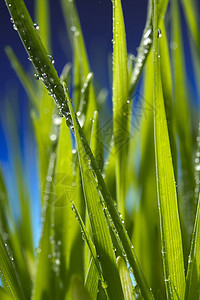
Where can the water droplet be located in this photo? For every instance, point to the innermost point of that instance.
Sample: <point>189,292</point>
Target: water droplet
<point>59,243</point>
<point>57,261</point>
<point>197,168</point>
<point>50,57</point>
<point>53,137</point>
<point>173,45</point>
<point>36,26</point>
<point>38,250</point>
<point>11,20</point>
<point>159,33</point>
<point>36,76</point>
<point>14,27</point>
<point>147,33</point>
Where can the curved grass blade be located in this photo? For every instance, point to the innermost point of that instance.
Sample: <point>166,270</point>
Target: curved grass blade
<point>101,235</point>
<point>117,222</point>
<point>125,279</point>
<point>167,200</point>
<point>121,107</point>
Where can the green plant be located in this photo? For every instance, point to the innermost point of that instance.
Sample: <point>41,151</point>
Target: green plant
<point>91,241</point>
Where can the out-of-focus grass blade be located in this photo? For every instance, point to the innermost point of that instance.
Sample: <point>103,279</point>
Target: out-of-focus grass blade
<point>121,107</point>
<point>9,274</point>
<point>183,121</point>
<point>4,295</point>
<point>116,220</point>
<point>193,271</point>
<point>43,20</point>
<point>192,16</point>
<point>167,200</point>
<point>26,82</point>
<point>127,284</point>
<point>101,235</point>
<point>79,292</point>
<point>146,43</point>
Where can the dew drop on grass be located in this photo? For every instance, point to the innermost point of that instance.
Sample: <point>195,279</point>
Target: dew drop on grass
<point>53,137</point>
<point>159,33</point>
<point>147,33</point>
<point>14,27</point>
<point>50,57</point>
<point>36,26</point>
<point>36,76</point>
<point>104,285</point>
<point>11,20</point>
<point>57,120</point>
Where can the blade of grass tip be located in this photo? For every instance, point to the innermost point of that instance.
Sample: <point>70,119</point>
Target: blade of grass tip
<point>191,12</point>
<point>183,122</point>
<point>4,295</point>
<point>25,80</point>
<point>8,273</point>
<point>101,235</point>
<point>117,222</point>
<point>166,76</point>
<point>43,18</point>
<point>167,200</point>
<point>121,107</point>
<point>127,284</point>
<point>146,43</point>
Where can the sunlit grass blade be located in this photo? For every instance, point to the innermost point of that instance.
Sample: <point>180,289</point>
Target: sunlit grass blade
<point>167,200</point>
<point>121,108</point>
<point>127,284</point>
<point>117,222</point>
<point>101,236</point>
<point>183,121</point>
<point>26,82</point>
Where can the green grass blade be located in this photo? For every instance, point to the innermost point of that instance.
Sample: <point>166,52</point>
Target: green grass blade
<point>125,279</point>
<point>121,108</point>
<point>167,200</point>
<point>116,220</point>
<point>26,82</point>
<point>101,235</point>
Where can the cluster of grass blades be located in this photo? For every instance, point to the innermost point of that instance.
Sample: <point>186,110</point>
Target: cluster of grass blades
<point>117,225</point>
